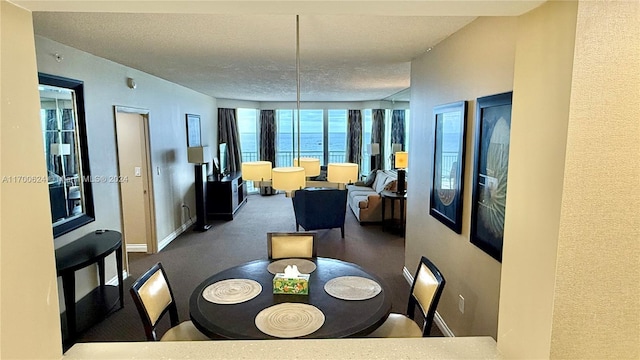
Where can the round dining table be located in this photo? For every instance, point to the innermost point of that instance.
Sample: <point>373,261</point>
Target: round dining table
<point>343,318</point>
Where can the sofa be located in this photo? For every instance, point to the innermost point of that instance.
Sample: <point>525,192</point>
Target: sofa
<point>320,208</point>
<point>364,198</point>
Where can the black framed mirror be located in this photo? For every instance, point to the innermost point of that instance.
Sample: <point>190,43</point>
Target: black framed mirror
<point>64,137</point>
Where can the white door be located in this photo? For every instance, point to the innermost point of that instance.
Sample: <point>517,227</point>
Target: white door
<point>135,179</point>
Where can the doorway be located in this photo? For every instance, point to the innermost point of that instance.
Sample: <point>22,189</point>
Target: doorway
<point>135,179</point>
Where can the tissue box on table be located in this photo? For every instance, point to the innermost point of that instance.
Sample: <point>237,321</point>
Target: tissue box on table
<point>298,285</point>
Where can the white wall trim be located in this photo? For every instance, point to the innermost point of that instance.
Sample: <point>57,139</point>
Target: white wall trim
<point>167,240</point>
<point>437,319</point>
<point>114,280</point>
<point>136,248</point>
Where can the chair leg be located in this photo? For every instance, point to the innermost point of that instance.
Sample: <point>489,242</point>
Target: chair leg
<point>297,227</point>
<point>342,231</point>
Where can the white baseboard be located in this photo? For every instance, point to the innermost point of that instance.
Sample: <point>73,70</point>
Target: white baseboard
<point>169,238</point>
<point>114,280</point>
<point>136,248</point>
<point>437,319</point>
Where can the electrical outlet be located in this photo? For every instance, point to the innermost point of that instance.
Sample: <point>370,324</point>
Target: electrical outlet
<point>461,304</point>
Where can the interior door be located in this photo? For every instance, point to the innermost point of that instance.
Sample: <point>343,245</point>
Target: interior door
<point>135,180</point>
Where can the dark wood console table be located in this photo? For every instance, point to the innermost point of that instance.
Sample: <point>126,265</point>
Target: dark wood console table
<point>89,249</point>
<point>225,196</point>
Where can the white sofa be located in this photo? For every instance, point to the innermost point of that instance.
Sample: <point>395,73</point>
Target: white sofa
<point>365,201</point>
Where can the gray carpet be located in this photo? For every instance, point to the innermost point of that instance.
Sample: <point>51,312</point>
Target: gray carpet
<point>194,256</point>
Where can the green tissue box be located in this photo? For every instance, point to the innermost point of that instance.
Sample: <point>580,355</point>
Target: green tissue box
<point>291,285</point>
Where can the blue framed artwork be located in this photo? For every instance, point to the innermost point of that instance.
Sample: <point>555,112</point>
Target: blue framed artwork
<point>491,165</point>
<point>448,164</point>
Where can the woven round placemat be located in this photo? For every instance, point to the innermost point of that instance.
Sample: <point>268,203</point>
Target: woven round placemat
<point>352,288</point>
<point>289,320</point>
<point>304,266</point>
<point>232,291</point>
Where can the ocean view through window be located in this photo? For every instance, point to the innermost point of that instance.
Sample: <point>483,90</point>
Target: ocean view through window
<point>323,135</point>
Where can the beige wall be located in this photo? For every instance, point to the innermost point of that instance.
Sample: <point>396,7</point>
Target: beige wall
<point>105,86</point>
<point>474,62</point>
<point>596,307</point>
<point>29,320</point>
<point>542,86</point>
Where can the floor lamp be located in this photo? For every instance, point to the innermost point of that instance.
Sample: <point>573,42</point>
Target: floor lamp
<point>199,156</point>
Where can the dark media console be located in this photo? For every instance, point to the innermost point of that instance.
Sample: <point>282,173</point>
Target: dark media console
<point>225,195</point>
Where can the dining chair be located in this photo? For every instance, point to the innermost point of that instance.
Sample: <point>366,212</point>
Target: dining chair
<point>153,297</point>
<point>282,245</point>
<point>426,289</point>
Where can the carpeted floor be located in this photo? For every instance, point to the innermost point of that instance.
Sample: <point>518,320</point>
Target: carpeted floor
<point>194,256</point>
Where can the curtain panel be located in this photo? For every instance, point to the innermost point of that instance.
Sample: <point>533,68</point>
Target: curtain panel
<point>397,127</point>
<point>228,133</point>
<point>267,136</point>
<point>377,132</point>
<point>354,137</point>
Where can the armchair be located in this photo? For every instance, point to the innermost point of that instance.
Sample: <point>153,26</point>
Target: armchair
<point>320,209</point>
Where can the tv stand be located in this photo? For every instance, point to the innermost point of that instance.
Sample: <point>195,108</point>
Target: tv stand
<point>225,195</point>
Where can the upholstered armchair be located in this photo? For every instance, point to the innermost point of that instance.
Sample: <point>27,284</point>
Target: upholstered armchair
<point>320,209</point>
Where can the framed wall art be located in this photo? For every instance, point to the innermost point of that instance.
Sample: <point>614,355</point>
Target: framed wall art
<point>193,131</point>
<point>448,164</point>
<point>491,164</point>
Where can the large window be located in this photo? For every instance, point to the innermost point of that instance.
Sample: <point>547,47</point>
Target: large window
<point>311,137</point>
<point>337,126</point>
<point>323,135</point>
<point>366,140</point>
<point>248,129</point>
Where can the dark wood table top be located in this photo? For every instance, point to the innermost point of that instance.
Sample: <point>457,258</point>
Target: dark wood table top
<point>87,250</point>
<point>343,318</point>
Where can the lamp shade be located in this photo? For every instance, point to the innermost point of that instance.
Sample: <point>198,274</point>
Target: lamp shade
<point>373,149</point>
<point>342,173</point>
<point>256,170</point>
<point>402,159</point>
<point>60,149</point>
<point>311,165</point>
<point>198,154</point>
<point>288,178</point>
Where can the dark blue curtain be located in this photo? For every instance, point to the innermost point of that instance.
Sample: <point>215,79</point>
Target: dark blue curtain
<point>377,132</point>
<point>397,127</point>
<point>354,137</point>
<point>267,136</point>
<point>228,133</point>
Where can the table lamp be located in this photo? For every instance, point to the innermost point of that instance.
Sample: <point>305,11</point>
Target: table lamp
<point>311,166</point>
<point>288,179</point>
<point>401,163</point>
<point>256,171</point>
<point>342,173</point>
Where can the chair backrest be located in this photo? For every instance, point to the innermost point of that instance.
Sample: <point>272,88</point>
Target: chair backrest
<point>153,297</point>
<point>316,209</point>
<point>426,289</point>
<point>291,245</point>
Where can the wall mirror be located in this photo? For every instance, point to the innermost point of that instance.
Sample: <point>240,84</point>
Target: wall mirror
<point>65,149</point>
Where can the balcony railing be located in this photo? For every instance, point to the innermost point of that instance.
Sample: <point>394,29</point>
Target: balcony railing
<point>285,158</point>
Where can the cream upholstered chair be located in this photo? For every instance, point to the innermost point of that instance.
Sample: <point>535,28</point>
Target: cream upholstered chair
<point>425,292</point>
<point>153,297</point>
<point>282,245</point>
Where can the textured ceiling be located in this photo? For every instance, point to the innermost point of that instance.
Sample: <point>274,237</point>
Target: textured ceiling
<point>245,49</point>
<point>252,57</point>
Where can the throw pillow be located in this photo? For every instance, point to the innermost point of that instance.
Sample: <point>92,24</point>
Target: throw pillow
<point>368,181</point>
<point>391,185</point>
